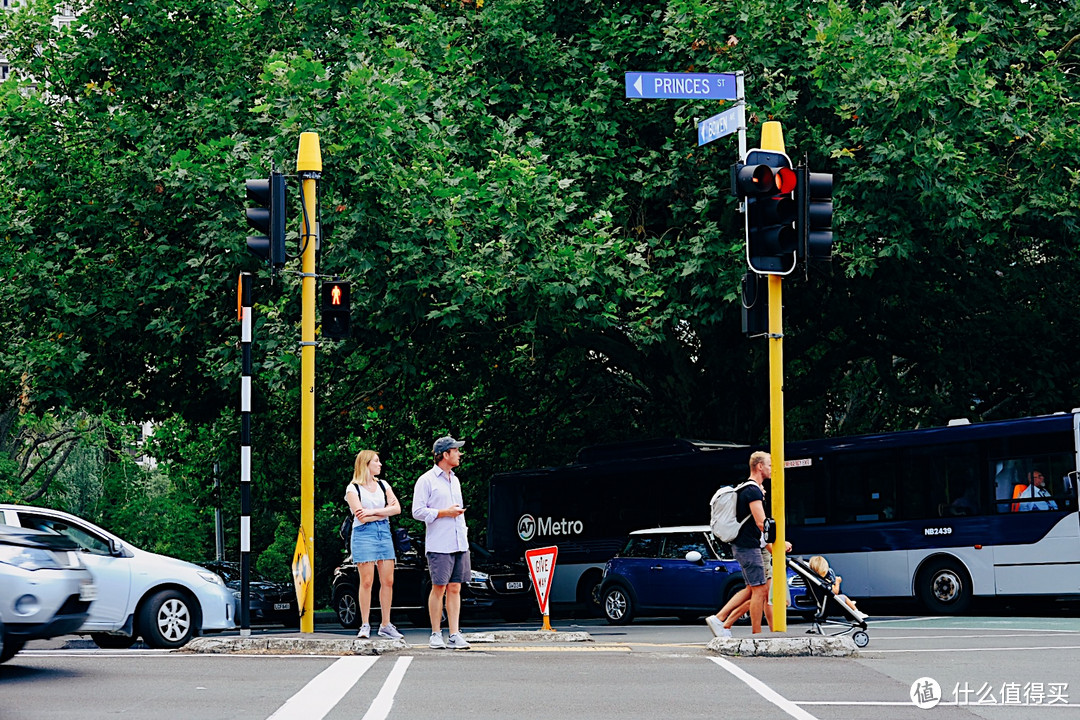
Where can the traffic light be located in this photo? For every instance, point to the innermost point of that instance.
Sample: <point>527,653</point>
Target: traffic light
<point>766,183</point>
<point>269,218</point>
<point>336,315</point>
<point>813,197</point>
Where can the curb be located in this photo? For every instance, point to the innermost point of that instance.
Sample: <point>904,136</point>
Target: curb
<point>780,646</point>
<point>353,646</point>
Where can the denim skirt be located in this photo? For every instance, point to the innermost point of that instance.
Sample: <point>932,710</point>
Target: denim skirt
<point>371,541</point>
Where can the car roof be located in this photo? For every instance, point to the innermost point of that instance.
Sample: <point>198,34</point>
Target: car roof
<point>675,529</point>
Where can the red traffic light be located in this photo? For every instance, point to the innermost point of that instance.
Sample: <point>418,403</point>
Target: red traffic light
<point>785,180</point>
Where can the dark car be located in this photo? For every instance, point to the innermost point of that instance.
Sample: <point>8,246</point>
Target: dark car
<point>496,588</point>
<point>680,571</point>
<point>271,603</point>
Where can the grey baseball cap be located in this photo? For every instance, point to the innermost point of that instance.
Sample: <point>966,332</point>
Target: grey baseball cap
<point>445,443</point>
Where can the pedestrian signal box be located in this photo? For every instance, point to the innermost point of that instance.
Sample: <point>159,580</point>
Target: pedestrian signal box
<point>336,311</point>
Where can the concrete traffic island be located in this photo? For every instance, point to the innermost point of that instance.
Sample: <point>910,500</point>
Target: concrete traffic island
<point>782,645</point>
<point>299,645</point>
<point>255,645</point>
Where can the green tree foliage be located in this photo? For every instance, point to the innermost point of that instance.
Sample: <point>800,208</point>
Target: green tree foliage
<point>538,262</point>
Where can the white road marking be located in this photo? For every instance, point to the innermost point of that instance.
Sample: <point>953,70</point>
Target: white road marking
<point>380,707</point>
<point>764,690</point>
<point>325,690</point>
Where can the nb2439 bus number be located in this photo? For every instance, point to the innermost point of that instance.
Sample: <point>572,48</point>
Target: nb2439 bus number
<point>938,531</point>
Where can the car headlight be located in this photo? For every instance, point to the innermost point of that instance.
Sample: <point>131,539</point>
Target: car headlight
<point>28,558</point>
<point>211,578</point>
<point>478,580</point>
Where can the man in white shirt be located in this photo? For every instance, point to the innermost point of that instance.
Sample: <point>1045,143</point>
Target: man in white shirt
<point>438,503</point>
<point>1036,489</point>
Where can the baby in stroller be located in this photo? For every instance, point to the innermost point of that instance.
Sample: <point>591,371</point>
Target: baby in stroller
<point>825,592</point>
<point>821,566</point>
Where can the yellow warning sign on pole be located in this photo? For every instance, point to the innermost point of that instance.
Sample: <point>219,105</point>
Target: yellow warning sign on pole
<point>301,570</point>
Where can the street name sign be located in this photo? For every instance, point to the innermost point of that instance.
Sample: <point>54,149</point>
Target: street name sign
<point>686,86</point>
<point>720,125</point>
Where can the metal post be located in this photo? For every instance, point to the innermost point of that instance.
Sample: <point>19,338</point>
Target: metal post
<point>245,453</point>
<point>309,168</point>
<point>772,138</point>
<point>219,529</point>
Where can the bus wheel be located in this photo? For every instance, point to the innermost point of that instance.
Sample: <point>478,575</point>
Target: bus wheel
<point>944,587</point>
<point>588,593</point>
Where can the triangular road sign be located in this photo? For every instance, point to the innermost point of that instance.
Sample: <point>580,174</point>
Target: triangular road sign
<point>541,562</point>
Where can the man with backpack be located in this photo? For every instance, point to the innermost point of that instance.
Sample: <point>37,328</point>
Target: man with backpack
<point>747,544</point>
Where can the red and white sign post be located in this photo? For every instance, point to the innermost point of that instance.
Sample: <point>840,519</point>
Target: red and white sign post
<point>541,562</point>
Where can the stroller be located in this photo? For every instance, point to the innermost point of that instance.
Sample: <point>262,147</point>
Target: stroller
<point>828,604</point>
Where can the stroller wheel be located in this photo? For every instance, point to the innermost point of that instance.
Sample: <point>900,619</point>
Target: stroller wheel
<point>861,638</point>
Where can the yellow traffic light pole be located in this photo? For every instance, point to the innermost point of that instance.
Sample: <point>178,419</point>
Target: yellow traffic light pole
<point>309,168</point>
<point>772,138</point>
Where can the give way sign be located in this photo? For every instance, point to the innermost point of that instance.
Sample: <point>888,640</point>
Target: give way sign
<point>541,563</point>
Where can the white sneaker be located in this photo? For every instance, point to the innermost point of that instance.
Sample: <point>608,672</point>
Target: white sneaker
<point>365,632</point>
<point>724,632</point>
<point>389,631</point>
<point>458,643</point>
<point>716,626</point>
<point>437,641</point>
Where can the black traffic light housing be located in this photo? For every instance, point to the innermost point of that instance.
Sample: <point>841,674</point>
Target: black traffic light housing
<point>336,312</point>
<point>813,198</point>
<point>268,218</point>
<point>766,183</point>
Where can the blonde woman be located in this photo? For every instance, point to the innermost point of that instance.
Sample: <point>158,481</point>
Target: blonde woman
<point>372,503</point>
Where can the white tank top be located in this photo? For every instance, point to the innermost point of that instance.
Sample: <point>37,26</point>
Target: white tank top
<point>369,500</point>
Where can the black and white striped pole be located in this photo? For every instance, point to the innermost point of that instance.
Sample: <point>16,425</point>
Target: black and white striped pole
<point>245,451</point>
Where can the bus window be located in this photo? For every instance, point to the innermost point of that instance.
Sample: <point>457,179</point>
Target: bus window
<point>864,487</point>
<point>1014,479</point>
<point>941,481</point>
<point>806,494</point>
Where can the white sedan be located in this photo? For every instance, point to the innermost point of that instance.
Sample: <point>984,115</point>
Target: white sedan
<point>164,600</point>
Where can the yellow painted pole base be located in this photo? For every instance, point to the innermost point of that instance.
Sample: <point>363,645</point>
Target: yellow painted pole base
<point>547,625</point>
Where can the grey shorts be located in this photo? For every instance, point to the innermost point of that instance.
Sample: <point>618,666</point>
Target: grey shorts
<point>753,569</point>
<point>446,568</point>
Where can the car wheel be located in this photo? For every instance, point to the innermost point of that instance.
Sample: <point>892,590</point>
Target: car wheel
<point>166,620</point>
<point>346,606</point>
<point>112,642</point>
<point>944,587</point>
<point>9,647</point>
<point>618,607</point>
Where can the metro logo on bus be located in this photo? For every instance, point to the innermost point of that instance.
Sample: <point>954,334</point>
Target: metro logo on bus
<point>529,527</point>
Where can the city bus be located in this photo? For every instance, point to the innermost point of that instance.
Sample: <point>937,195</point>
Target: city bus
<point>938,514</point>
<point>942,514</point>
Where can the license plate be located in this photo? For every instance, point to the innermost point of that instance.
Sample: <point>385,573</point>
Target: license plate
<point>514,585</point>
<point>88,592</point>
<point>282,606</point>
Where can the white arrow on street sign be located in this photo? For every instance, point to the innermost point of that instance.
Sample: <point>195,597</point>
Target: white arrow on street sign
<point>637,85</point>
<point>541,562</point>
